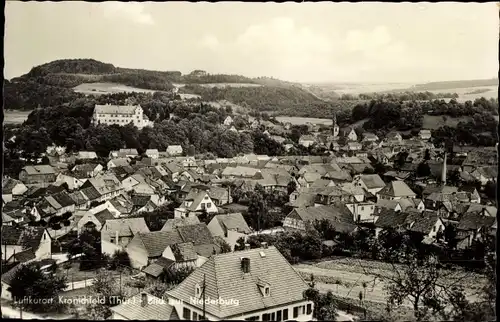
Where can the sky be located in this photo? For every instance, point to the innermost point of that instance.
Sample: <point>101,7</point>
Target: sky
<point>302,42</point>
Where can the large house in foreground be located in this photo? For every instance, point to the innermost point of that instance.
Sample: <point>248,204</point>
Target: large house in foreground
<point>253,284</point>
<point>121,115</point>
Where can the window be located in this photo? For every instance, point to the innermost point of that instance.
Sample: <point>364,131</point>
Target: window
<point>209,205</point>
<point>278,316</point>
<point>252,318</point>
<point>285,314</point>
<point>359,217</point>
<point>202,206</point>
<point>186,314</point>
<point>265,317</point>
<point>197,290</point>
<point>433,229</point>
<point>195,316</point>
<point>309,309</point>
<point>273,316</point>
<point>266,291</point>
<point>296,312</point>
<point>303,309</point>
<point>362,208</point>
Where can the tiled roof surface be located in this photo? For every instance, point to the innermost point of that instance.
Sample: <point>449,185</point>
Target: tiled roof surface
<point>171,224</point>
<point>115,109</point>
<point>473,221</point>
<point>126,227</point>
<point>39,169</point>
<point>224,278</point>
<point>158,267</point>
<point>372,181</point>
<point>234,221</point>
<point>104,215</point>
<point>156,242</point>
<point>338,215</point>
<point>184,252</point>
<point>397,189</point>
<point>11,235</point>
<point>197,234</point>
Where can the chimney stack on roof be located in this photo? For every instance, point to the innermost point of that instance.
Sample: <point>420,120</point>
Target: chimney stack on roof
<point>144,299</point>
<point>247,246</point>
<point>264,245</point>
<point>245,265</point>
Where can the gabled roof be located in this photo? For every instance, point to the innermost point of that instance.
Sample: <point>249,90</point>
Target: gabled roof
<point>23,256</point>
<point>172,224</point>
<point>90,193</point>
<point>372,181</point>
<point>156,242</point>
<point>233,221</point>
<point>104,215</point>
<point>338,215</point>
<point>184,252</point>
<point>197,234</point>
<point>39,169</point>
<point>224,278</point>
<point>9,276</point>
<point>11,235</point>
<point>388,218</point>
<point>131,309</point>
<point>9,184</point>
<point>126,227</point>
<point>397,189</point>
<point>156,268</point>
<point>474,221</point>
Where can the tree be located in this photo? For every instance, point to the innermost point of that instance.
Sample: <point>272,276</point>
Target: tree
<point>103,287</point>
<point>324,304</point>
<point>423,170</point>
<point>175,276</point>
<point>120,260</point>
<point>291,187</point>
<point>34,290</point>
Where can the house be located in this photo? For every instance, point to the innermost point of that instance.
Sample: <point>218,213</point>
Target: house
<point>53,205</point>
<point>220,195</point>
<point>7,220</point>
<point>38,174</point>
<point>102,188</point>
<point>332,195</point>
<point>339,215</point>
<point>255,284</point>
<point>349,133</point>
<point>147,203</point>
<point>172,224</point>
<point>472,193</point>
<point>353,146</point>
<point>426,223</point>
<point>72,181</point>
<point>86,155</point>
<point>80,199</point>
<point>123,205</point>
<point>94,220</point>
<point>485,174</point>
<point>24,256</point>
<point>174,150</point>
<point>278,139</point>
<point>7,279</point>
<point>394,137</point>
<point>116,234</point>
<point>120,115</point>
<point>144,306</point>
<point>370,182</point>
<point>396,190</point>
<point>152,153</point>
<point>474,226</point>
<point>354,190</point>
<point>146,248</point>
<point>363,212</point>
<point>228,121</point>
<point>87,170</point>
<point>424,135</point>
<point>12,189</point>
<point>118,162</point>
<point>16,240</point>
<point>230,227</point>
<point>196,201</point>
<point>369,137</point>
<point>307,140</point>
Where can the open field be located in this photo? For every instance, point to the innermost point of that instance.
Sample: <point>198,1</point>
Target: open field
<point>107,88</point>
<point>433,122</point>
<point>302,120</point>
<point>15,117</point>
<point>212,85</point>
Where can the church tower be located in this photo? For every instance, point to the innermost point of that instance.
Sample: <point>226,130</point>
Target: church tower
<point>443,174</point>
<point>335,126</point>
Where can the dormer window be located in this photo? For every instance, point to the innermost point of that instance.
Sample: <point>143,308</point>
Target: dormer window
<point>267,291</point>
<point>197,290</point>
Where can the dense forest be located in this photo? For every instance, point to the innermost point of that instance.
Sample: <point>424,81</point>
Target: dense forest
<point>403,96</point>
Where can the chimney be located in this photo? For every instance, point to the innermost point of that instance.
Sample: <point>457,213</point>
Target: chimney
<point>116,237</point>
<point>263,245</point>
<point>245,265</point>
<point>247,246</point>
<point>144,299</point>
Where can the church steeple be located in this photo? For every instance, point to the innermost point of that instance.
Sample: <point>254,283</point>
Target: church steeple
<point>335,127</point>
<point>443,174</point>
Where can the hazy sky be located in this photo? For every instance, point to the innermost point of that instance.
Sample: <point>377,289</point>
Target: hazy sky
<point>365,42</point>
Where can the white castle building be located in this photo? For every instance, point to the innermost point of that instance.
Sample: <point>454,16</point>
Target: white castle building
<point>121,115</point>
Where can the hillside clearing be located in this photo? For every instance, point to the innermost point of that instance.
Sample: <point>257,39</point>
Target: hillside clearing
<point>434,122</point>
<point>15,117</point>
<point>108,88</point>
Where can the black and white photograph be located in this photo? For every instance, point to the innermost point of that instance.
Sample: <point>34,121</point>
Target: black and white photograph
<point>250,161</point>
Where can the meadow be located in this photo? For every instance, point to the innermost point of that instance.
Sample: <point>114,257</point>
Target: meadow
<point>107,88</point>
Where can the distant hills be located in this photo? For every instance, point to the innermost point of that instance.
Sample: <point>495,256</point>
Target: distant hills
<point>447,85</point>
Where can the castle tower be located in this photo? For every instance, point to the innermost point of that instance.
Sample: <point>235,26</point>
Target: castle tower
<point>335,127</point>
<point>443,174</point>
